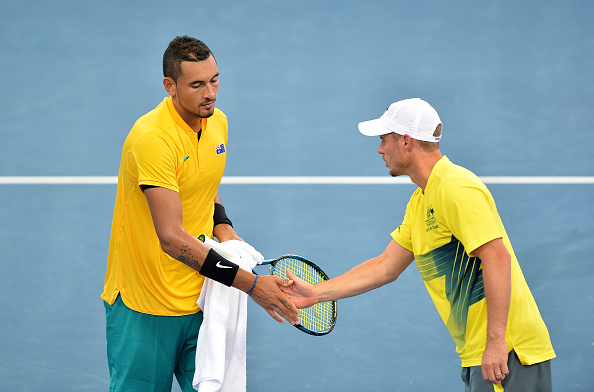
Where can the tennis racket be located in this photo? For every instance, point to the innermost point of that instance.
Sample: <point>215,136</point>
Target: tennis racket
<point>317,320</point>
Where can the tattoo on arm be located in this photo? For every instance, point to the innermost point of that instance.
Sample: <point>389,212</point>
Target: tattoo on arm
<point>186,258</point>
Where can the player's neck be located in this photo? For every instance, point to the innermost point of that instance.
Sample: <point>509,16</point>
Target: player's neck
<point>423,166</point>
<point>192,120</point>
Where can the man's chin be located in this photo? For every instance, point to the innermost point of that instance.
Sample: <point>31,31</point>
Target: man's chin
<point>207,113</point>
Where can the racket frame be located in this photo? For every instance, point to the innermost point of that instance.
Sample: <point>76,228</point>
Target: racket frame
<point>324,276</point>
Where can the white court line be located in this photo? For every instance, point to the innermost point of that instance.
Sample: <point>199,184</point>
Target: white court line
<point>292,180</point>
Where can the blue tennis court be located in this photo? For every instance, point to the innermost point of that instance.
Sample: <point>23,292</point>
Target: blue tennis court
<point>512,82</point>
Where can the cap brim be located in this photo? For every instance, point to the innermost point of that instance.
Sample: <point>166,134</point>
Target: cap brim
<point>373,128</point>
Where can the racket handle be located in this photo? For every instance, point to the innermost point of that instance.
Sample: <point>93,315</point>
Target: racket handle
<point>212,244</point>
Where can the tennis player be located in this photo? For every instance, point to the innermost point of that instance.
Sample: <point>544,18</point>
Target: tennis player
<point>453,232</point>
<point>172,164</point>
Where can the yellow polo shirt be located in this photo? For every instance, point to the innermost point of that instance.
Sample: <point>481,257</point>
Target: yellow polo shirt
<point>442,226</point>
<point>162,150</point>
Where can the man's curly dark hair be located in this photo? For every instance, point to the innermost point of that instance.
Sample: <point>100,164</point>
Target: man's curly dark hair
<point>183,48</point>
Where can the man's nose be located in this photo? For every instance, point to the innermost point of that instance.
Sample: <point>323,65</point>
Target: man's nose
<point>211,91</point>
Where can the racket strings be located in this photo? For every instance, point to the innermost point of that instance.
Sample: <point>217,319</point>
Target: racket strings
<point>319,317</point>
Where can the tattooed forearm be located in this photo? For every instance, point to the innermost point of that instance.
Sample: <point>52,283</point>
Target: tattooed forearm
<point>186,257</point>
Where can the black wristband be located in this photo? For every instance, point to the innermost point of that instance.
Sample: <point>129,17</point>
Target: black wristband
<point>218,268</point>
<point>220,216</point>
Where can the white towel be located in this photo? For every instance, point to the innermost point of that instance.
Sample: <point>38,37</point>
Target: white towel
<point>221,347</point>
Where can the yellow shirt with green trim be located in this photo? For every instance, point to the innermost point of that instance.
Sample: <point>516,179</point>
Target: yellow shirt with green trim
<point>442,226</point>
<point>162,150</point>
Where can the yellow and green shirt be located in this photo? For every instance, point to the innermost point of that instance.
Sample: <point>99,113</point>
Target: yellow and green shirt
<point>442,226</point>
<point>162,150</point>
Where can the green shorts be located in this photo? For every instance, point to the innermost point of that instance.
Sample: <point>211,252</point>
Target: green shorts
<point>145,351</point>
<point>525,378</point>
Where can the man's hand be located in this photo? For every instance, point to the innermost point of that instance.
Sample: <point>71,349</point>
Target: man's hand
<point>268,295</point>
<point>300,293</point>
<point>494,362</point>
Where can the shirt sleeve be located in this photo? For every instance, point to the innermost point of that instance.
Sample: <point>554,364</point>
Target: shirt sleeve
<point>153,160</point>
<point>470,213</point>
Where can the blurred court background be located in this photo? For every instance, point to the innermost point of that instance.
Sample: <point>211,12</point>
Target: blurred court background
<point>511,80</point>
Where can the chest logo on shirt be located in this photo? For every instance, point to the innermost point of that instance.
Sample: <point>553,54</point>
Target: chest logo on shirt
<point>430,221</point>
<point>220,148</point>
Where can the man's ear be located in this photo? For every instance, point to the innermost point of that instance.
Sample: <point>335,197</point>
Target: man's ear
<point>407,139</point>
<point>170,86</point>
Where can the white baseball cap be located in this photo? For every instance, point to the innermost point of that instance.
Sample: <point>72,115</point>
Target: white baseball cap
<point>412,116</point>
